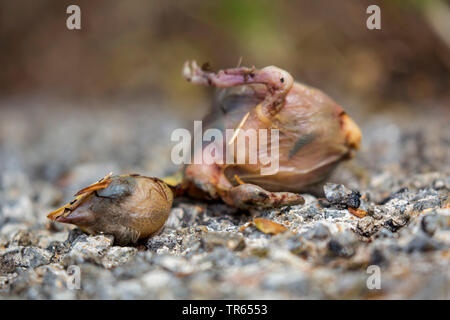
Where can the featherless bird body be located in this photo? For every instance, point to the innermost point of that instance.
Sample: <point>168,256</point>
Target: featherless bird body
<point>129,207</point>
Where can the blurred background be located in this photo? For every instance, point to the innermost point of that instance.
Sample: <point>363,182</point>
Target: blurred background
<point>107,97</point>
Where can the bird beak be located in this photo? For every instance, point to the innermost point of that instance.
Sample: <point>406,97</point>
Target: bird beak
<point>73,217</point>
<point>57,213</point>
<point>64,210</point>
<point>74,212</point>
<point>62,213</point>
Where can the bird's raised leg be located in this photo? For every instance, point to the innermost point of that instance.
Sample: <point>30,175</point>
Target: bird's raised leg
<point>277,81</point>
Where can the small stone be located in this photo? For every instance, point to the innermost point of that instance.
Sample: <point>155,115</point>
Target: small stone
<point>53,276</point>
<point>191,213</point>
<point>318,231</point>
<point>136,268</point>
<point>300,246</point>
<point>385,234</point>
<point>33,257</point>
<point>394,224</point>
<point>165,241</point>
<point>333,213</point>
<point>175,264</point>
<point>260,252</point>
<point>375,212</point>
<point>117,256</point>
<point>438,184</point>
<point>222,257</point>
<point>229,240</point>
<point>7,264</point>
<point>324,203</point>
<point>366,227</point>
<point>47,240</point>
<point>57,248</point>
<point>156,279</point>
<point>291,282</point>
<point>340,195</point>
<point>309,212</point>
<point>377,257</point>
<point>175,219</point>
<point>74,234</point>
<point>23,238</point>
<point>343,245</point>
<point>428,202</point>
<point>430,223</point>
<point>422,243</point>
<point>26,257</point>
<point>88,249</point>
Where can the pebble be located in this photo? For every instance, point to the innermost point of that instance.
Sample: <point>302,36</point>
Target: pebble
<point>338,194</point>
<point>422,243</point>
<point>229,240</point>
<point>342,245</point>
<point>24,257</point>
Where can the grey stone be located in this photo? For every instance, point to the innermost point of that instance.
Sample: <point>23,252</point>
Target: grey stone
<point>318,231</point>
<point>395,223</point>
<point>232,241</point>
<point>343,245</point>
<point>88,248</point>
<point>26,257</point>
<point>338,194</point>
<point>430,223</point>
<point>117,256</point>
<point>287,281</point>
<point>423,243</point>
<point>366,227</point>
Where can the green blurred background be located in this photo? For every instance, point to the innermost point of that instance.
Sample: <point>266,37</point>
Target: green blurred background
<point>134,50</point>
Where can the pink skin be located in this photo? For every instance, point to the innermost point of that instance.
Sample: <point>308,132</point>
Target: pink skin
<point>315,132</point>
<point>210,178</point>
<point>277,81</point>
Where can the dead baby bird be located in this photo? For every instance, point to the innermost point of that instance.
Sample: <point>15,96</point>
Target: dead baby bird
<point>315,134</point>
<point>129,207</point>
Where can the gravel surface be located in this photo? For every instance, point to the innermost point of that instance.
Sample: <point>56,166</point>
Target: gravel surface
<point>387,210</point>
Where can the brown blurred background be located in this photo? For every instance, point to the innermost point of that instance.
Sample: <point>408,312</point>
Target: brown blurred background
<point>81,103</point>
<point>135,49</point>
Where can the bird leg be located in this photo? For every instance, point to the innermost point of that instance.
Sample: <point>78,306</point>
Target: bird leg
<point>246,196</point>
<point>277,81</point>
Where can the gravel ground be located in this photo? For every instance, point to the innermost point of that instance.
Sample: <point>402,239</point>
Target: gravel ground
<point>400,181</point>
